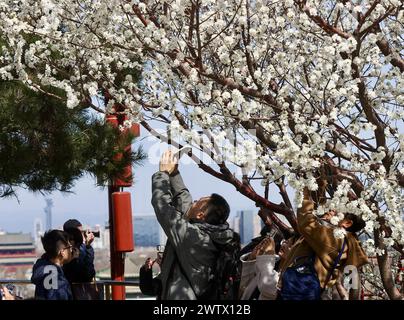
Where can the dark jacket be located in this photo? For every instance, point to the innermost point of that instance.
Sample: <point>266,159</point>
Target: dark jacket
<point>45,289</point>
<point>81,269</point>
<point>192,248</point>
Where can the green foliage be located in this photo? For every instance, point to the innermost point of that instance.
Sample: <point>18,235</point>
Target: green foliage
<point>45,146</point>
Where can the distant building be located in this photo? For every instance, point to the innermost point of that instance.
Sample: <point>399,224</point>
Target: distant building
<point>17,250</point>
<point>48,213</point>
<point>235,224</point>
<point>248,224</point>
<point>258,224</point>
<point>146,231</point>
<point>38,232</point>
<point>105,236</point>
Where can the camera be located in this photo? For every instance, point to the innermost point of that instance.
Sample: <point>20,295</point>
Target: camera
<point>95,233</point>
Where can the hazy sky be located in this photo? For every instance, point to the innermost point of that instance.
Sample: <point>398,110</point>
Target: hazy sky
<point>89,203</point>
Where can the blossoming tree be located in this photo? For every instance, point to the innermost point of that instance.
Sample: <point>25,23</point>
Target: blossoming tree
<point>301,85</point>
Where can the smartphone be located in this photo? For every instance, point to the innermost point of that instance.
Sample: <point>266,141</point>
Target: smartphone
<point>183,150</point>
<point>160,248</point>
<point>273,232</point>
<point>11,288</point>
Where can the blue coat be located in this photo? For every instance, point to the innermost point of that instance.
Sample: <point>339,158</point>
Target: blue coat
<point>81,269</point>
<point>45,289</point>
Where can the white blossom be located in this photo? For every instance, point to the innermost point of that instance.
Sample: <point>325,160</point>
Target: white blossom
<point>339,233</point>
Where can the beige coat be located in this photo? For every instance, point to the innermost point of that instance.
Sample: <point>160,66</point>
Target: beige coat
<point>320,239</point>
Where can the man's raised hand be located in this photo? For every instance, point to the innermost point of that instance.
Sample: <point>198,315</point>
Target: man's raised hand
<point>168,162</point>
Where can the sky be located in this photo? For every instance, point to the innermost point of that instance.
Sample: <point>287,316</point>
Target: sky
<point>89,203</point>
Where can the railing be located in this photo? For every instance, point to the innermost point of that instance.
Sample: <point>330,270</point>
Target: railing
<point>106,285</point>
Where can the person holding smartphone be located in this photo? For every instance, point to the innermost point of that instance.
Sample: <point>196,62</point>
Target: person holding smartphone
<point>148,285</point>
<point>197,233</point>
<point>5,293</point>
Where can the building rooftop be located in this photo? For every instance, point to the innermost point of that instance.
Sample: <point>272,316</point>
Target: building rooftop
<point>16,247</point>
<point>10,239</point>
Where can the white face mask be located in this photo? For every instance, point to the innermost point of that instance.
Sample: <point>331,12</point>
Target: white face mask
<point>326,223</point>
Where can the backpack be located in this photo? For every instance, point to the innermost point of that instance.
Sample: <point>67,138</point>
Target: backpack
<point>300,281</point>
<point>225,278</point>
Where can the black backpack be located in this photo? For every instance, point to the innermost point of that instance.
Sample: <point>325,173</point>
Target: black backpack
<point>225,279</point>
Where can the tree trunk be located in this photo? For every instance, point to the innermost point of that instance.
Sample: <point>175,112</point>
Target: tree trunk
<point>385,270</point>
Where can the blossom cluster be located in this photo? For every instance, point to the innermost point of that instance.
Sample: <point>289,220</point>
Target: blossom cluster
<point>312,80</point>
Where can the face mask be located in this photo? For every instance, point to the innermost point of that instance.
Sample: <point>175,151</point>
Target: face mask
<point>326,223</point>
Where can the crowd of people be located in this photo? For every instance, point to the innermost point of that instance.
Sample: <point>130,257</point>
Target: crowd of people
<point>203,258</point>
<point>302,265</point>
<point>67,263</point>
<point>68,260</point>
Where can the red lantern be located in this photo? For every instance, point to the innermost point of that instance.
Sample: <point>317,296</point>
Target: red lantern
<point>123,228</point>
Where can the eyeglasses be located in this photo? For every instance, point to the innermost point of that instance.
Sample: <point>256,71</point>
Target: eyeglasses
<point>68,247</point>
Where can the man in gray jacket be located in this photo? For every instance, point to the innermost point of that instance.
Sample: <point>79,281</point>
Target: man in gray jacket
<point>195,232</point>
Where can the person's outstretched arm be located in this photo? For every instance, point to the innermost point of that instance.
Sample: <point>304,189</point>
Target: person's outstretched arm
<point>169,217</point>
<point>182,199</point>
<point>87,261</point>
<point>320,238</point>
